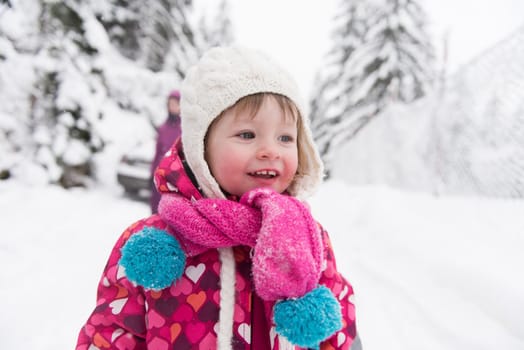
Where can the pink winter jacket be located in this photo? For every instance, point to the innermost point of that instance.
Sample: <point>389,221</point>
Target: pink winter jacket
<point>185,315</point>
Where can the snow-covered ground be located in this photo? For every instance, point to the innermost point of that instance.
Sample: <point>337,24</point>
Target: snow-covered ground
<point>429,273</point>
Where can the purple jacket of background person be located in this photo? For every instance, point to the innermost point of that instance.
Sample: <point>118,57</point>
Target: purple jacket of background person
<point>167,133</point>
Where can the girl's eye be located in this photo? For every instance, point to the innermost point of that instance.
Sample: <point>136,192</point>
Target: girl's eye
<point>246,135</point>
<point>286,138</point>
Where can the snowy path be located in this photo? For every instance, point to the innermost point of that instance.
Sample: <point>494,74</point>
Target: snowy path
<point>430,273</point>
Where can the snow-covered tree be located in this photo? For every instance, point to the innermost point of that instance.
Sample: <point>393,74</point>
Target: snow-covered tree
<point>460,139</point>
<point>333,82</point>
<point>69,69</point>
<point>122,24</point>
<point>159,34</point>
<point>381,54</point>
<point>63,121</point>
<point>169,38</point>
<point>216,25</point>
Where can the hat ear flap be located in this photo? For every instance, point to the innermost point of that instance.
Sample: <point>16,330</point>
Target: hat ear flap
<point>310,169</point>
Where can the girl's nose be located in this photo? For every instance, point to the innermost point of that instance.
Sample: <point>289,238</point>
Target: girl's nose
<point>268,150</point>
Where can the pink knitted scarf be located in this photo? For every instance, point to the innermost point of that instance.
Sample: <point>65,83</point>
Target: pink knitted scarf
<point>286,239</point>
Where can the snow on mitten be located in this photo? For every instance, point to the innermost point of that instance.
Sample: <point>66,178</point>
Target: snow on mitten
<point>288,253</point>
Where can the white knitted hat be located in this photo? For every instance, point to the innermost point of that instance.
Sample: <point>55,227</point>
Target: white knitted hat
<point>222,77</point>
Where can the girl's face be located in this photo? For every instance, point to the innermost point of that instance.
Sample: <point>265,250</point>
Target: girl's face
<point>246,151</point>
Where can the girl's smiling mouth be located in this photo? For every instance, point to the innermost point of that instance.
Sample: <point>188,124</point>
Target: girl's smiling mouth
<point>265,174</point>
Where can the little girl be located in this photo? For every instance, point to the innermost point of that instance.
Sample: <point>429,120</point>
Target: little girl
<point>233,259</point>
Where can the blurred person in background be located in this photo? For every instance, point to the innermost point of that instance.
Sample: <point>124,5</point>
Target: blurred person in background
<point>167,133</point>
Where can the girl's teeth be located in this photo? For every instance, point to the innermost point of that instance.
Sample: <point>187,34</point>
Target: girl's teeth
<point>265,172</point>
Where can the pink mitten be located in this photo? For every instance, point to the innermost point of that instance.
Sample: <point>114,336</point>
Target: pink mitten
<point>288,253</point>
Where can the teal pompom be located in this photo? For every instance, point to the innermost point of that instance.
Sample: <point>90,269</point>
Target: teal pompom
<point>153,258</point>
<point>310,319</point>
